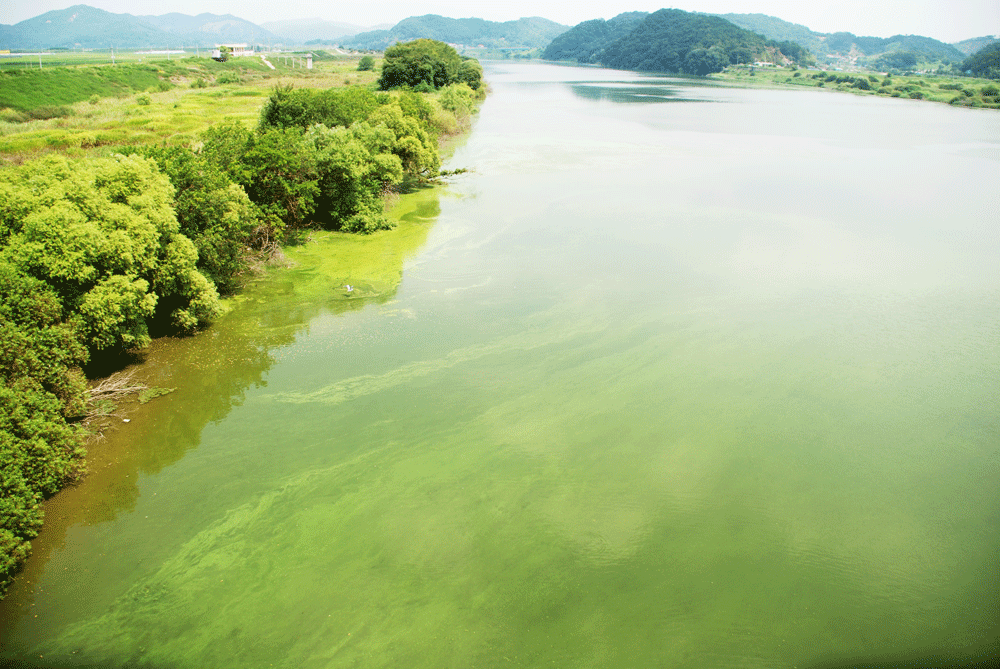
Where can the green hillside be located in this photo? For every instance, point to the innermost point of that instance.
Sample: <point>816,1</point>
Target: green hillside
<point>971,46</point>
<point>585,43</point>
<point>778,30</point>
<point>672,40</point>
<point>985,62</point>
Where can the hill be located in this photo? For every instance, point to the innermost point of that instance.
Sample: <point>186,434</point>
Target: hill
<point>83,26</point>
<point>845,49</point>
<point>670,40</point>
<point>778,30</point>
<point>971,46</point>
<point>985,62</point>
<point>531,32</point>
<point>585,43</point>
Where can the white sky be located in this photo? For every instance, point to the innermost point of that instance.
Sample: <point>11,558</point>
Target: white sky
<point>946,20</point>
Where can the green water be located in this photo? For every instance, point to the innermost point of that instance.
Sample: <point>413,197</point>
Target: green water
<point>677,375</point>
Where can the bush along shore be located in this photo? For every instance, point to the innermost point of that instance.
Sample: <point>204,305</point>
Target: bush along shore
<point>953,90</point>
<point>102,250</point>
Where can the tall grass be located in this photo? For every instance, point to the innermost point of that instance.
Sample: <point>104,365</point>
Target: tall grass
<point>98,122</point>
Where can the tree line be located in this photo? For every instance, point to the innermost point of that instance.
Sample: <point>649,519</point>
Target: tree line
<point>99,254</point>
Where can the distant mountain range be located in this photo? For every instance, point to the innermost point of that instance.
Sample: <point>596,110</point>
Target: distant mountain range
<point>82,26</point>
<point>870,51</point>
<point>531,32</point>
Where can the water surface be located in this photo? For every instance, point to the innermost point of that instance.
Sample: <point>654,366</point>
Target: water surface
<point>679,375</point>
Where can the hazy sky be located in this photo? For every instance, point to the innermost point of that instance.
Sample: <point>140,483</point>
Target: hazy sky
<point>946,20</point>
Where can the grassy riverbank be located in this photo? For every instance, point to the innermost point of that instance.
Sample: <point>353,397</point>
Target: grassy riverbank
<point>93,109</point>
<point>958,91</point>
<point>125,218</point>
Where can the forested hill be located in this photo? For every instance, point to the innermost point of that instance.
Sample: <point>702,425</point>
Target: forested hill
<point>585,43</point>
<point>671,40</point>
<point>985,62</point>
<point>530,32</point>
<point>971,46</point>
<point>779,30</point>
<point>898,51</point>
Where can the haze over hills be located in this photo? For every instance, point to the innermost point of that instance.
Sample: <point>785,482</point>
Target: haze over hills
<point>971,46</point>
<point>82,26</point>
<point>533,32</point>
<point>304,30</point>
<point>213,27</point>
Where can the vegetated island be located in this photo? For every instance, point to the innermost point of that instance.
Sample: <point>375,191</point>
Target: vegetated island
<point>114,234</point>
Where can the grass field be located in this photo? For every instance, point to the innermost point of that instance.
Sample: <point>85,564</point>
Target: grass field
<point>960,91</point>
<point>157,102</point>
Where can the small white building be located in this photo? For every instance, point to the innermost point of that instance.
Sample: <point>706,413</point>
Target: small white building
<point>235,50</point>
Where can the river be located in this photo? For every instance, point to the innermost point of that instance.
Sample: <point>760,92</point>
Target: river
<point>677,375</point>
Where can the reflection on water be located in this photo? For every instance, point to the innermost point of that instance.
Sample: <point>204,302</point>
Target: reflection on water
<point>682,384</point>
<point>648,91</point>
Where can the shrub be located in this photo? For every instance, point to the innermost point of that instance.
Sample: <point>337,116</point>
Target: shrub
<point>366,63</point>
<point>143,100</point>
<point>12,116</point>
<point>94,99</point>
<point>228,78</point>
<point>199,83</point>
<point>916,95</point>
<point>46,112</point>
<point>990,91</point>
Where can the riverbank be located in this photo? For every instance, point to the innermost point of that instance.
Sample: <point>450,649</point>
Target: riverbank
<point>957,91</point>
<point>132,240</point>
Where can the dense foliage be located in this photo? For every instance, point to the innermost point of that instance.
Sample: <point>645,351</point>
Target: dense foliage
<point>985,62</point>
<point>672,40</point>
<point>426,64</point>
<point>526,32</point>
<point>585,42</point>
<point>90,252</point>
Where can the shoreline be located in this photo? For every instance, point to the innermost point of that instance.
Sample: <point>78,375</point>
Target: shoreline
<point>954,91</point>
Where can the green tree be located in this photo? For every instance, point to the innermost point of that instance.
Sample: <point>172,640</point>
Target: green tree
<point>279,171</point>
<point>355,165</point>
<point>103,234</point>
<point>40,387</point>
<point>422,61</point>
<point>213,212</point>
<point>366,63</point>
